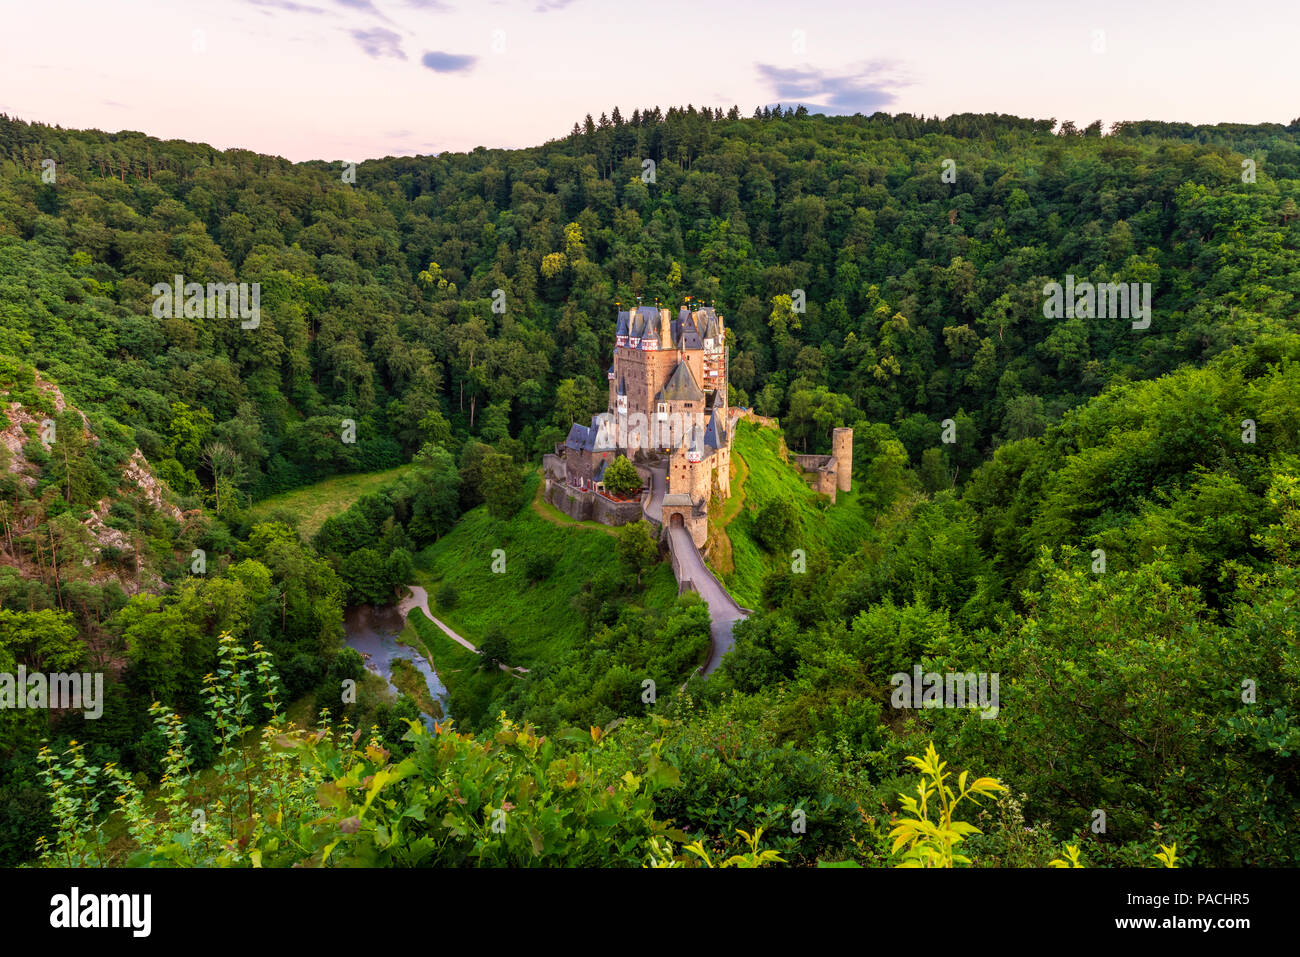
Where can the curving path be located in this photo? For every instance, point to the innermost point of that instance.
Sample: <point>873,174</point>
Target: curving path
<point>723,610</point>
<point>653,506</point>
<point>419,598</point>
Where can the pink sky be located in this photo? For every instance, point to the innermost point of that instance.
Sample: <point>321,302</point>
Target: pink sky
<point>353,79</point>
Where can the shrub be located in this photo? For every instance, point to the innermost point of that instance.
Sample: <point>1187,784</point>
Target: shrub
<point>446,595</point>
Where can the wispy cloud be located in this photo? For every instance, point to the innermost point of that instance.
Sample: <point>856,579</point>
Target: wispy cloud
<point>365,6</point>
<point>379,43</point>
<point>547,6</point>
<point>866,89</point>
<point>286,5</point>
<point>434,6</point>
<point>448,62</point>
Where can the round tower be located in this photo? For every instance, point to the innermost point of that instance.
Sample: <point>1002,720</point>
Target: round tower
<point>842,449</point>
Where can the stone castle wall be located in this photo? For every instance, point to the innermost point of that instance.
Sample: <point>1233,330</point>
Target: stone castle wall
<point>811,463</point>
<point>588,506</point>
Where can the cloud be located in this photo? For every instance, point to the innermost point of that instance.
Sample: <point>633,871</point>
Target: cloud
<point>546,6</point>
<point>865,90</point>
<point>365,6</point>
<point>435,6</point>
<point>287,5</point>
<point>379,43</point>
<point>448,62</point>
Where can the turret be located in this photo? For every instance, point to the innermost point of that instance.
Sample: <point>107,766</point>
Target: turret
<point>842,450</point>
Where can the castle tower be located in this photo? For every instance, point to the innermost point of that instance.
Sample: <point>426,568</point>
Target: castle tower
<point>842,449</point>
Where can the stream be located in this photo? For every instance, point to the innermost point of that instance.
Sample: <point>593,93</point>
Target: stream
<point>373,630</point>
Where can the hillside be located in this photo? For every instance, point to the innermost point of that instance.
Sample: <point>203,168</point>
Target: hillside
<point>106,497</point>
<point>1102,514</point>
<point>310,506</point>
<point>825,533</point>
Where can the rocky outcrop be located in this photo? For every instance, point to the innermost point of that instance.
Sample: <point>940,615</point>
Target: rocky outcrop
<point>135,475</point>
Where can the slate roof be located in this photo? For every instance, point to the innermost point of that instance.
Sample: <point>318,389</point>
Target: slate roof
<point>622,323</point>
<point>712,328</point>
<point>688,334</point>
<point>681,386</point>
<point>715,436</point>
<point>644,322</point>
<point>579,436</point>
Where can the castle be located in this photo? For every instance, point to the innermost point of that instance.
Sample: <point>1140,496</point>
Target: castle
<point>668,413</point>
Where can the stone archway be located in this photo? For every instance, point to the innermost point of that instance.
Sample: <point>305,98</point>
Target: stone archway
<point>675,521</point>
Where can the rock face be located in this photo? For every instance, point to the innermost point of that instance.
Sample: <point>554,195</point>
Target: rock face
<point>13,437</point>
<point>137,470</point>
<point>136,474</point>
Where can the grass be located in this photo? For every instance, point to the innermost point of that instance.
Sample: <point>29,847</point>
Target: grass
<point>539,617</point>
<point>315,503</point>
<point>556,517</point>
<point>457,666</point>
<point>410,681</point>
<point>731,507</point>
<point>837,529</point>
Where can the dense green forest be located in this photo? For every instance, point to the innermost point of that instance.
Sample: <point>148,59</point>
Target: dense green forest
<point>1114,528</point>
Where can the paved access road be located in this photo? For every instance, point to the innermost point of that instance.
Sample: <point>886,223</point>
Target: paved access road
<point>653,506</point>
<point>723,610</point>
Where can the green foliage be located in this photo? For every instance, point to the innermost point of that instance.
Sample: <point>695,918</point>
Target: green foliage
<point>1159,682</point>
<point>494,648</point>
<point>932,834</point>
<point>637,548</point>
<point>621,478</point>
<point>775,524</point>
<point>500,485</point>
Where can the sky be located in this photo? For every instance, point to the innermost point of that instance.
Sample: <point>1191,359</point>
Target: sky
<point>358,79</point>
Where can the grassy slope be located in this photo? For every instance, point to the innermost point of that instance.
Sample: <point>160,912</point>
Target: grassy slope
<point>838,528</point>
<point>315,503</point>
<point>539,618</point>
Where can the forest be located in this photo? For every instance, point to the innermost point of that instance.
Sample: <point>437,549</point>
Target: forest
<point>1107,517</point>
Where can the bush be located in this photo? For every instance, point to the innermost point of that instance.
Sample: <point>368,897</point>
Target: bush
<point>538,565</point>
<point>446,595</point>
<point>774,524</point>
